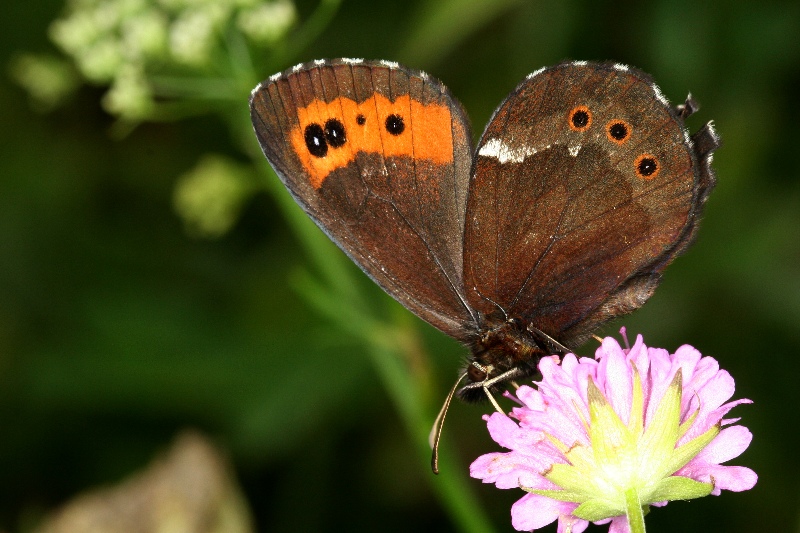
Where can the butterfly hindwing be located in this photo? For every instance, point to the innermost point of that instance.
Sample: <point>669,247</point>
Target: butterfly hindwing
<point>585,186</point>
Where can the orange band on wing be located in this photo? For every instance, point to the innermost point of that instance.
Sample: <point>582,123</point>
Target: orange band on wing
<point>426,132</point>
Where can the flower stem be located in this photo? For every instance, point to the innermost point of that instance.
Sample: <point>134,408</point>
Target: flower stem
<point>633,509</point>
<point>305,35</point>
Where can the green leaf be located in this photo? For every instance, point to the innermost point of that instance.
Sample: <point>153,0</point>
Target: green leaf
<point>680,488</point>
<point>685,453</point>
<point>560,495</point>
<point>658,442</point>
<point>596,509</point>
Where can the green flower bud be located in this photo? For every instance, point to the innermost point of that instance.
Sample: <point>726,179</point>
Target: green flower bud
<point>48,80</point>
<point>267,23</point>
<point>129,96</point>
<point>209,197</point>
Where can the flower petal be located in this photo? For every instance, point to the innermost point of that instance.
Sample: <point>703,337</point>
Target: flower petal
<point>533,511</point>
<point>530,398</point>
<point>614,378</point>
<point>699,372</point>
<point>570,524</point>
<point>619,525</point>
<point>707,419</point>
<point>687,358</point>
<point>661,374</point>
<point>716,390</point>
<point>638,355</point>
<point>733,478</point>
<point>510,471</point>
<point>503,430</point>
<point>730,443</point>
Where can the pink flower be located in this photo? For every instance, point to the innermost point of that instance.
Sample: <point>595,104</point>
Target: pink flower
<point>601,439</point>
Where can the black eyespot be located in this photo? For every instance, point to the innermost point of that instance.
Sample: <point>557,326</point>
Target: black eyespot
<point>618,131</point>
<point>315,140</point>
<point>395,125</point>
<point>646,166</point>
<point>580,118</point>
<point>334,133</point>
<point>361,120</point>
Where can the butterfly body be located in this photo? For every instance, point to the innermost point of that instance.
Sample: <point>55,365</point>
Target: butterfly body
<point>583,187</point>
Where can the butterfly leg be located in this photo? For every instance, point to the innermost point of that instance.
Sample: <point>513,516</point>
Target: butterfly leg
<point>489,383</point>
<point>548,339</point>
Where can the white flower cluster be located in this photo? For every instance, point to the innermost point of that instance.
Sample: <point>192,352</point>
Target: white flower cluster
<point>121,42</point>
<point>165,60</point>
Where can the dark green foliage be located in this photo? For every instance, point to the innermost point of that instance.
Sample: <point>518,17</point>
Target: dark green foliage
<point>117,329</point>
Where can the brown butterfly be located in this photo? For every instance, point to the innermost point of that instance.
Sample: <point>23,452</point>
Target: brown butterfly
<point>583,188</point>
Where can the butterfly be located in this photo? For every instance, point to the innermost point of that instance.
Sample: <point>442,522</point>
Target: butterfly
<point>584,186</point>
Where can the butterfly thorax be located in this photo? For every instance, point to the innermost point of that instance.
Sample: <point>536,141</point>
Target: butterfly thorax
<point>501,345</point>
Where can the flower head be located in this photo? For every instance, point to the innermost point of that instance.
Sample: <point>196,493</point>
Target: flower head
<point>601,437</point>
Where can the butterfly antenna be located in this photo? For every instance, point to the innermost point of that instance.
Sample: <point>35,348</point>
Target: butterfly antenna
<point>500,307</point>
<point>436,430</point>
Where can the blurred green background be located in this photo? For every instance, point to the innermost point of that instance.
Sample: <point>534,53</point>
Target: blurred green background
<point>121,323</point>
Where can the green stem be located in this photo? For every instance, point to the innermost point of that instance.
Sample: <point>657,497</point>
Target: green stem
<point>452,486</point>
<point>308,33</point>
<point>195,87</point>
<point>634,511</point>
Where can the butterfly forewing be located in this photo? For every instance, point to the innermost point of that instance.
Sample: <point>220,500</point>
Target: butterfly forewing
<point>379,157</point>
